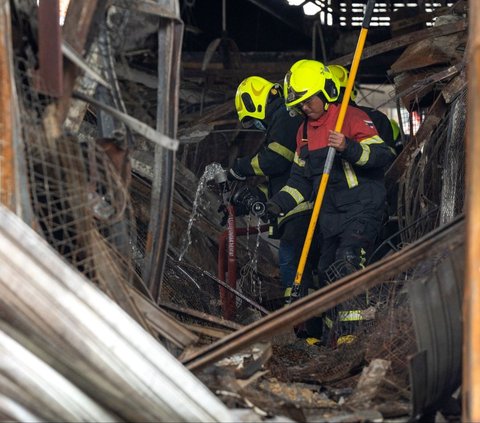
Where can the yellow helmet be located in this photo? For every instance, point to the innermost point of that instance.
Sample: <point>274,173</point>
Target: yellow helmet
<point>341,73</point>
<point>251,98</point>
<point>307,78</point>
<point>395,129</point>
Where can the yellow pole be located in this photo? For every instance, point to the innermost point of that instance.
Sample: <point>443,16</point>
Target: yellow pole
<point>331,152</point>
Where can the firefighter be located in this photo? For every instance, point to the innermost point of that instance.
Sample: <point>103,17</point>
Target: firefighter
<point>397,139</point>
<point>380,120</point>
<point>353,204</point>
<point>260,103</point>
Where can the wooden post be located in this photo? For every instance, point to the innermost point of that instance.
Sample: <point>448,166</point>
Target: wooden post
<point>7,169</point>
<point>471,343</point>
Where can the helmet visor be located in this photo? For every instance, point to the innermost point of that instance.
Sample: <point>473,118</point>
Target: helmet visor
<point>295,111</point>
<point>249,122</point>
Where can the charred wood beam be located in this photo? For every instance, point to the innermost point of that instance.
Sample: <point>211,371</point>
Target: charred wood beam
<point>274,70</point>
<point>403,41</point>
<point>449,237</point>
<point>13,177</point>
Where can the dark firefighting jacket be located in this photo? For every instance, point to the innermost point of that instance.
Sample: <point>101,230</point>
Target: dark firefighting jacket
<point>356,182</point>
<point>275,156</point>
<point>383,126</point>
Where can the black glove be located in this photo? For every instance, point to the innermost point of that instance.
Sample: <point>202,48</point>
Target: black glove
<point>273,210</point>
<point>234,176</point>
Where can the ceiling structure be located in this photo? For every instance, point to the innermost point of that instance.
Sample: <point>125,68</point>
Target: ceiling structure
<point>260,27</point>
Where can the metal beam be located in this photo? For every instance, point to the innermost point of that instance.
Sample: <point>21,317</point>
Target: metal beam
<point>169,53</point>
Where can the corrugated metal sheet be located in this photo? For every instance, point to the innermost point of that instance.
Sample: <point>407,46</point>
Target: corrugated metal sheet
<point>436,303</point>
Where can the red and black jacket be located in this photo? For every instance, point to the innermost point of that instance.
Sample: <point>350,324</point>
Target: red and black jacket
<point>357,174</point>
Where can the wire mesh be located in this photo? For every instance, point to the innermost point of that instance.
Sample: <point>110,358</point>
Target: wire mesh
<point>77,195</point>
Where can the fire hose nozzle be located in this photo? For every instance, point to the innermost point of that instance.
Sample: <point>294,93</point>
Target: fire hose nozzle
<point>258,208</point>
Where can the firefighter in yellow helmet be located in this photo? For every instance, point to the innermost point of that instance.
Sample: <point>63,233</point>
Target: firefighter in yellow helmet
<point>353,204</point>
<point>260,104</point>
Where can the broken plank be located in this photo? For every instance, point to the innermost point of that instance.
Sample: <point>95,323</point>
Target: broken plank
<point>253,363</point>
